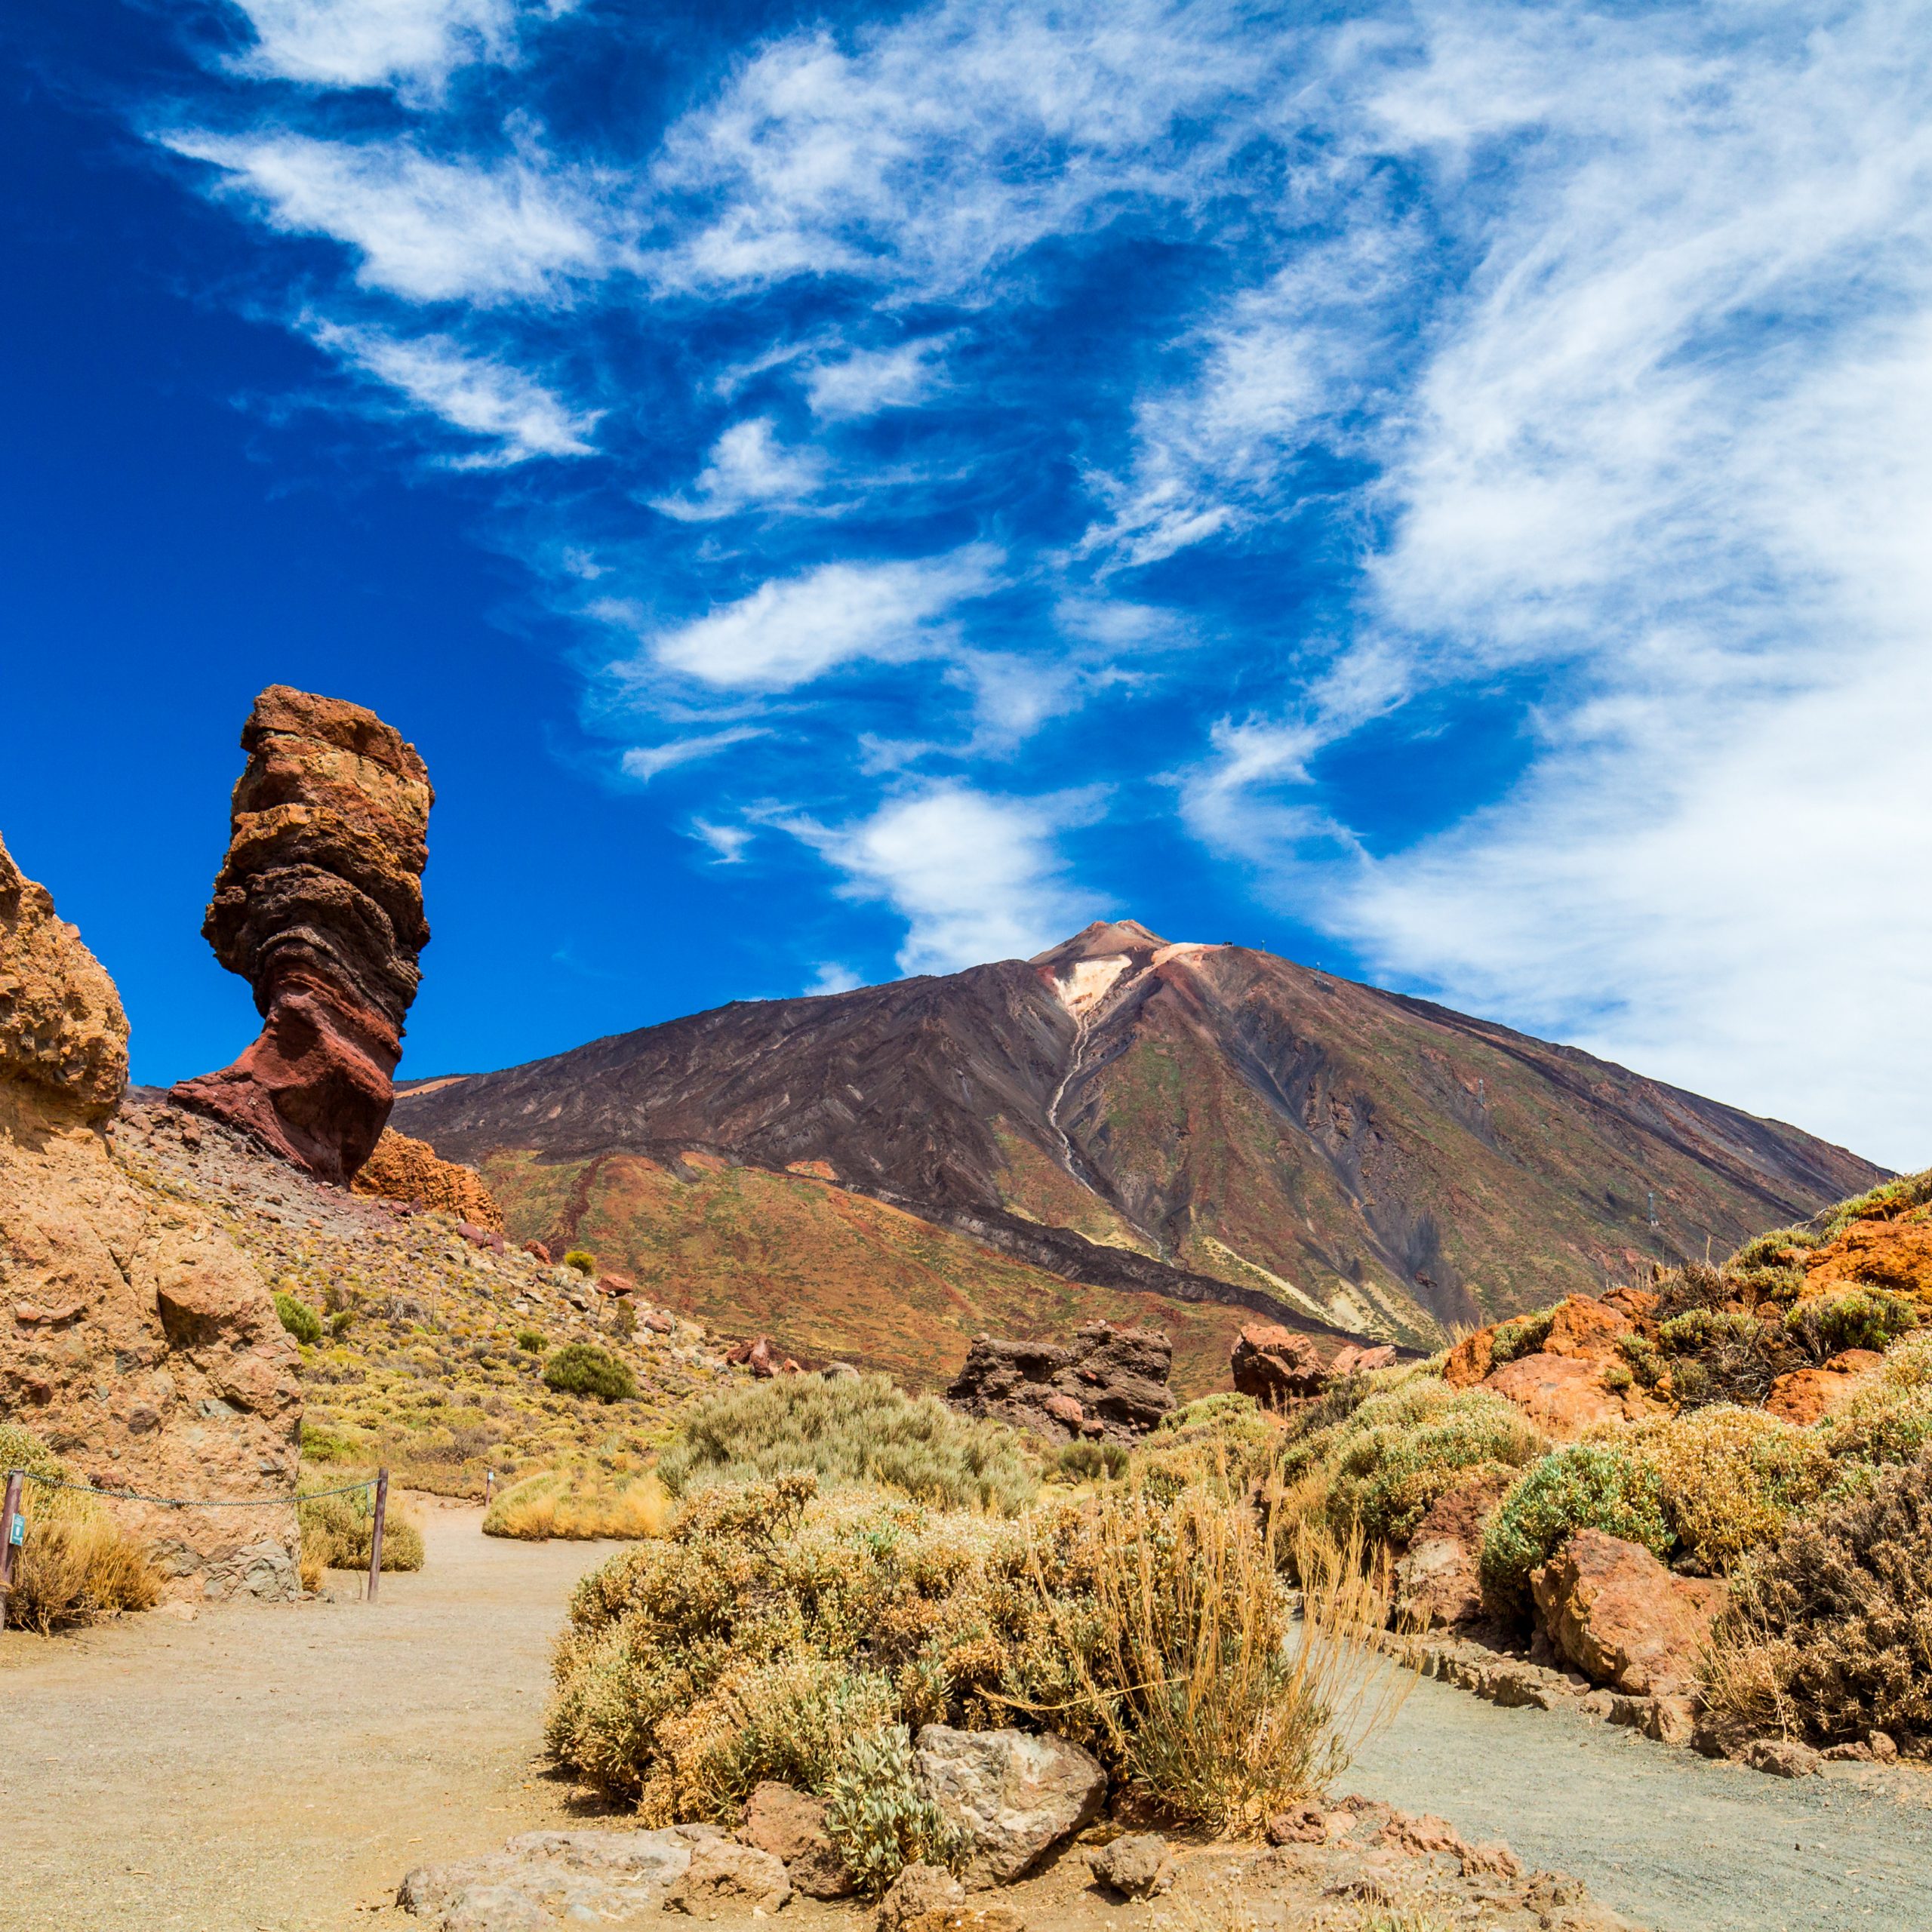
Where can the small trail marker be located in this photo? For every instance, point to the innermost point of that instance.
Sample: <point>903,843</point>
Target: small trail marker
<point>13,1533</point>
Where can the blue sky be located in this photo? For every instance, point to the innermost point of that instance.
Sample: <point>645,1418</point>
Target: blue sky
<point>1441,490</point>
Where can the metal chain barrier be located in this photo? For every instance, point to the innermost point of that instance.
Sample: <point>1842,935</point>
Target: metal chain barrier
<point>13,1523</point>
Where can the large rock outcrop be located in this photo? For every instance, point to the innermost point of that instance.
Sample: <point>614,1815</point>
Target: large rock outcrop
<point>136,1340</point>
<point>319,906</point>
<point>1109,1384</point>
<point>401,1169</point>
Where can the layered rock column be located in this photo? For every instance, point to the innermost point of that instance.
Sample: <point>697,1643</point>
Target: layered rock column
<point>319,906</point>
<point>136,1340</point>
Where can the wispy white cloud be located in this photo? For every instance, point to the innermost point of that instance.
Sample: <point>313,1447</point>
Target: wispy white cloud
<point>791,630</point>
<point>870,380</point>
<point>643,762</point>
<point>413,44</point>
<point>975,875</point>
<point>479,394</point>
<point>749,468</point>
<point>832,977</point>
<point>727,842</point>
<point>428,229</point>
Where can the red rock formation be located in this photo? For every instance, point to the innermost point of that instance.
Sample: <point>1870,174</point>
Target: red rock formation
<point>319,906</point>
<point>1275,1365</point>
<point>402,1169</point>
<point>1109,1384</point>
<point>1614,1611</point>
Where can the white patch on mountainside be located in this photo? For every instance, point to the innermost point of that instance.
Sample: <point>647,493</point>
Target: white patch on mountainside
<point>1089,981</point>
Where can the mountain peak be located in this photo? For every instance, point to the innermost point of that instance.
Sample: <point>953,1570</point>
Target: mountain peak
<point>1104,939</point>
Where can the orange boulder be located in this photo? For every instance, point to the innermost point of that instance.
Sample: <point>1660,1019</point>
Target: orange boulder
<point>1563,1395</point>
<point>1807,1395</point>
<point>1610,1608</point>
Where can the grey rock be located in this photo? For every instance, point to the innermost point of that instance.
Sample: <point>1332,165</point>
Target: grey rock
<point>1136,1866</point>
<point>727,1880</point>
<point>545,1878</point>
<point>1017,1795</point>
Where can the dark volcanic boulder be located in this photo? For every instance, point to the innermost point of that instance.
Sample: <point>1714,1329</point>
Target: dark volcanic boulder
<point>1109,1385</point>
<point>1275,1365</point>
<point>319,906</point>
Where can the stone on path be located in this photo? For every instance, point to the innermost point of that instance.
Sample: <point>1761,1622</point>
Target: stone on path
<point>1018,1795</point>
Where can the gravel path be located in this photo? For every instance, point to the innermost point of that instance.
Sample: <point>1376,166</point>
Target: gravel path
<point>281,1767</point>
<point>1675,1841</point>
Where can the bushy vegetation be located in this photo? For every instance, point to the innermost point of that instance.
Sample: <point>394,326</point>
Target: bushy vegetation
<point>860,1428</point>
<point>298,1317</point>
<point>1825,1325</point>
<point>532,1341</point>
<point>1588,1486</point>
<point>76,1563</point>
<point>582,1259</point>
<point>338,1532</point>
<point>1729,1479</point>
<point>582,1368</point>
<point>1830,1635</point>
<point>581,1503</point>
<point>778,1633</point>
<point>1394,1448</point>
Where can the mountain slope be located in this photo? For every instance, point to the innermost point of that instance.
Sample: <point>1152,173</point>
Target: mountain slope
<point>1205,1124</point>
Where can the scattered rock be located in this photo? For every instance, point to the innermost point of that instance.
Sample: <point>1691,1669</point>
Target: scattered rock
<point>761,1358</point>
<point>319,906</point>
<point>1420,1836</point>
<point>917,1890</point>
<point>1299,1824</point>
<point>1781,1758</point>
<point>534,1248</point>
<point>966,1918</point>
<point>1494,1860</point>
<point>1136,1866</point>
<point>1275,1365</point>
<point>1358,1359</point>
<point>1017,1793</point>
<point>790,1825</point>
<point>401,1169</point>
<point>1623,1619</point>
<point>1670,1719</point>
<point>1109,1384</point>
<point>1807,1395</point>
<point>1884,1750</point>
<point>1563,1395</point>
<point>1437,1582</point>
<point>727,1880</point>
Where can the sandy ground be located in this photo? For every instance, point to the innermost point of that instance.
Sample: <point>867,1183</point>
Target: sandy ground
<point>281,1768</point>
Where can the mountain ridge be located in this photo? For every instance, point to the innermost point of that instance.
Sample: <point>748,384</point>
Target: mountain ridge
<point>1206,1123</point>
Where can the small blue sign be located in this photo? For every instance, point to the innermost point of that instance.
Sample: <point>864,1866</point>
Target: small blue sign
<point>17,1530</point>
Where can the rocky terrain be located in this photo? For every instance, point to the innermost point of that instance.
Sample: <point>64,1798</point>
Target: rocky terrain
<point>1207,1125</point>
<point>137,1341</point>
<point>1107,1385</point>
<point>318,906</point>
<point>434,1330</point>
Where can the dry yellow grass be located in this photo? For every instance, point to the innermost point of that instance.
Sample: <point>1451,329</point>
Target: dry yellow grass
<point>581,1505</point>
<point>1211,1702</point>
<point>76,1563</point>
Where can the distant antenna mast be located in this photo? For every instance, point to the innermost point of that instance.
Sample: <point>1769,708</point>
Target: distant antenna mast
<point>1653,1206</point>
<point>1482,1091</point>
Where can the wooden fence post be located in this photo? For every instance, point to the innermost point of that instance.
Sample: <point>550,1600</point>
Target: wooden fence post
<point>376,1534</point>
<point>10,1512</point>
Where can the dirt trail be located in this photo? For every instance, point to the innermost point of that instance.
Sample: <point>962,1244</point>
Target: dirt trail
<point>1674,1840</point>
<point>281,1766</point>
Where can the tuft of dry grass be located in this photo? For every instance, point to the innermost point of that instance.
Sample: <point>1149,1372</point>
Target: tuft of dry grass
<point>76,1563</point>
<point>581,1505</point>
<point>1210,1702</point>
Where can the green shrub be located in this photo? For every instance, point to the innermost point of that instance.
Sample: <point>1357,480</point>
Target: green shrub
<point>1641,1352</point>
<point>1718,1355</point>
<point>879,1819</point>
<point>1825,1325</point>
<point>1227,1436</point>
<point>582,1368</point>
<point>1587,1486</point>
<point>1731,1478</point>
<point>298,1317</point>
<point>1403,1451</point>
<point>1091,1461</point>
<point>582,1259</point>
<point>855,1429</point>
<point>1888,1198</point>
<point>340,1322</point>
<point>532,1341</point>
<point>1522,1336</point>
